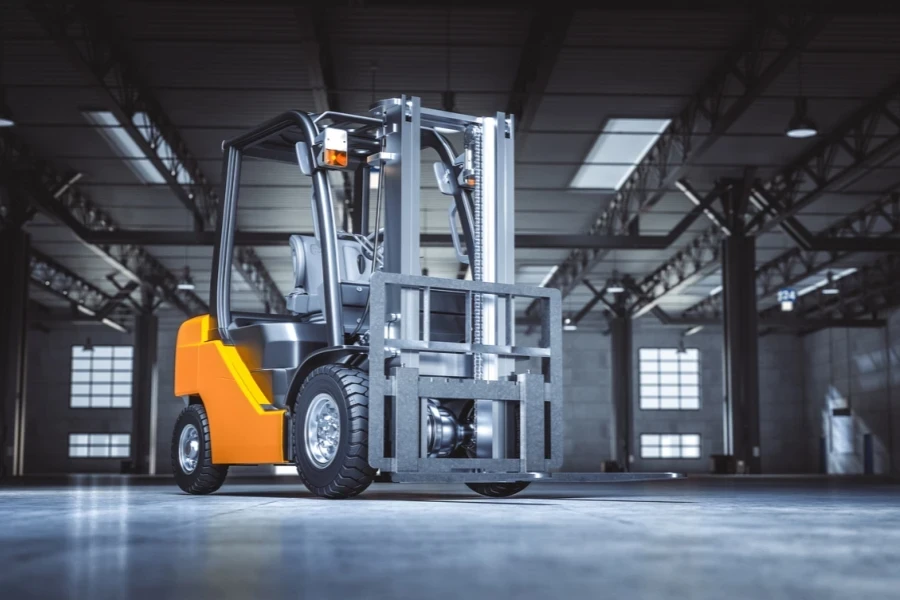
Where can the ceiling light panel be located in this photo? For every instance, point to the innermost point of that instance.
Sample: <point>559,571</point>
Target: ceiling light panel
<point>109,127</point>
<point>621,145</point>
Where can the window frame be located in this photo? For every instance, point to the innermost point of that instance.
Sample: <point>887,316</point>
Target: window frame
<point>658,373</point>
<point>681,446</point>
<point>81,377</point>
<point>93,440</point>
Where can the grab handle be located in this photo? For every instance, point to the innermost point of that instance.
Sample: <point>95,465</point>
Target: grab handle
<point>454,236</point>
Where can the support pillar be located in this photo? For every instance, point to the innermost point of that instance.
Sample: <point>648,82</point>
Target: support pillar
<point>14,273</point>
<point>741,349</point>
<point>620,334</point>
<point>145,393</point>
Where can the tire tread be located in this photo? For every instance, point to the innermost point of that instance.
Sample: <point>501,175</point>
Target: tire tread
<point>355,474</point>
<point>498,490</point>
<point>210,477</point>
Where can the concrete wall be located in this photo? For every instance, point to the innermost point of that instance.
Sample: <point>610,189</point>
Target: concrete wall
<point>789,430</point>
<point>168,405</point>
<point>588,411</point>
<point>49,420</point>
<point>783,405</point>
<point>859,370</point>
<point>707,421</point>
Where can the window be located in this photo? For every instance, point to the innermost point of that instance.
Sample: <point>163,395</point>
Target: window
<point>99,445</point>
<point>101,377</point>
<point>617,150</point>
<point>670,445</point>
<point>670,379</point>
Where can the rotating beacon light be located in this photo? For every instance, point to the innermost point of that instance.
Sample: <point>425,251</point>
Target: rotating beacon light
<point>335,148</point>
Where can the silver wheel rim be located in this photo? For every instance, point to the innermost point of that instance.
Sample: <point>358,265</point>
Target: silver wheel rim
<point>323,430</point>
<point>189,448</point>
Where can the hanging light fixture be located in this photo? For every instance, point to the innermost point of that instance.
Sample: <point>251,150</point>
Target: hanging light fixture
<point>88,345</point>
<point>801,124</point>
<point>830,288</point>
<point>6,119</point>
<point>186,283</point>
<point>568,325</point>
<point>614,284</point>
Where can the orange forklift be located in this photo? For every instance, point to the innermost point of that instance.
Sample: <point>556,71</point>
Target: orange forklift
<point>377,370</point>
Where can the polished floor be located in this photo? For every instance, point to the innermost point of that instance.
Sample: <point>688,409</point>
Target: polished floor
<point>698,538</point>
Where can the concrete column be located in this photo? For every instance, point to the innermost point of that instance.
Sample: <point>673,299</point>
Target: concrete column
<point>14,275</point>
<point>620,334</point>
<point>145,394</point>
<point>741,350</point>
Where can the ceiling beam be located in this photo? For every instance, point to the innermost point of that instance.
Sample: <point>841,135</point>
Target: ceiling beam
<point>871,229</point>
<point>870,291</point>
<point>150,237</point>
<point>317,55</point>
<point>774,320</point>
<point>867,137</point>
<point>88,37</point>
<point>522,240</point>
<point>867,230</point>
<point>761,56</point>
<point>87,300</point>
<point>546,36</point>
<point>841,155</point>
<point>312,27</point>
<point>54,195</point>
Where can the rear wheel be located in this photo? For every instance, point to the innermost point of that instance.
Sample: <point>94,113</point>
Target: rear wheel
<point>498,490</point>
<point>192,463</point>
<point>331,432</point>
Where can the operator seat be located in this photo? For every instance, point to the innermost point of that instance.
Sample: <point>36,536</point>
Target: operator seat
<point>306,258</point>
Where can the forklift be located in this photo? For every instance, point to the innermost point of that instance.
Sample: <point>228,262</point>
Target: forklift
<point>378,371</point>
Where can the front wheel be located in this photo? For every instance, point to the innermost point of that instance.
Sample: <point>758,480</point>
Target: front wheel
<point>498,490</point>
<point>331,432</point>
<point>192,463</point>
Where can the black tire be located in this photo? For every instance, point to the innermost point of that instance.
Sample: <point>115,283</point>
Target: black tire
<point>349,472</point>
<point>498,490</point>
<point>206,477</point>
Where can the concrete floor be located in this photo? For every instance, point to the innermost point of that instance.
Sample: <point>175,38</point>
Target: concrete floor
<point>697,538</point>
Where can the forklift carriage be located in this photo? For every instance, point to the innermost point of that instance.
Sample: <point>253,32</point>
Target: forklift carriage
<point>378,370</point>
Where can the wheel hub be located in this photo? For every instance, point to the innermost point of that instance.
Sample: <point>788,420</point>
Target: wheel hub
<point>323,430</point>
<point>189,448</point>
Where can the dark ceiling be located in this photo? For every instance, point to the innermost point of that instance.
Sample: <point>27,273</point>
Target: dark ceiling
<point>217,68</point>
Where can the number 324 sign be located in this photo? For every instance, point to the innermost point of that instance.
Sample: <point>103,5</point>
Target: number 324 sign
<point>787,297</point>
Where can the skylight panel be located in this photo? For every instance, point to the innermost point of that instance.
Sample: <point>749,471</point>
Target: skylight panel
<point>111,129</point>
<point>548,276</point>
<point>621,145</point>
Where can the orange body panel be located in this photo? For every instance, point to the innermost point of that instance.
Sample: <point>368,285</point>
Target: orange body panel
<point>241,432</point>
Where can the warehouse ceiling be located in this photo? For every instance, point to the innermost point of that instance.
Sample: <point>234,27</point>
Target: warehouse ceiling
<point>218,68</point>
